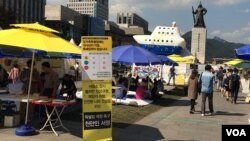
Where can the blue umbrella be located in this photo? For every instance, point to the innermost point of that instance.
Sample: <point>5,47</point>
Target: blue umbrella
<point>243,52</point>
<point>166,60</point>
<point>130,54</point>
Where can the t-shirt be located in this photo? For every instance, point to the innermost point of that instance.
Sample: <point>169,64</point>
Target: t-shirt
<point>76,67</point>
<point>34,83</point>
<point>140,92</point>
<point>245,86</point>
<point>234,80</point>
<point>207,79</point>
<point>220,75</point>
<point>119,92</point>
<point>51,80</point>
<point>172,71</point>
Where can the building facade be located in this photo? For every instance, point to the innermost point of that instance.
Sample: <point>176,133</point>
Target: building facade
<point>113,30</point>
<point>72,24</point>
<point>127,19</point>
<point>94,8</point>
<point>26,11</point>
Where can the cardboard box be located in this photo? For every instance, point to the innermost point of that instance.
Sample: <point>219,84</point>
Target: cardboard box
<point>12,121</point>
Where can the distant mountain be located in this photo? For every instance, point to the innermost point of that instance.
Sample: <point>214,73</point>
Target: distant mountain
<point>219,39</point>
<point>216,47</point>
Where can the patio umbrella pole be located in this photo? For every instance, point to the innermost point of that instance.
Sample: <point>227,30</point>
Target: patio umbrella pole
<point>26,130</point>
<point>29,88</point>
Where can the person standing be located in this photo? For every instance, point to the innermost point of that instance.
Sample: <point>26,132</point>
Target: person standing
<point>68,87</point>
<point>206,81</point>
<point>51,81</point>
<point>25,77</point>
<point>172,74</point>
<point>234,83</point>
<point>76,67</point>
<point>14,74</point>
<point>193,89</point>
<point>3,77</point>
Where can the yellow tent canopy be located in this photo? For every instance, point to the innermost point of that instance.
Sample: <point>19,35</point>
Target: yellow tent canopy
<point>233,62</point>
<point>180,59</point>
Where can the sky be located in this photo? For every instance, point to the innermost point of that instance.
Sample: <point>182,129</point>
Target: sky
<point>227,19</point>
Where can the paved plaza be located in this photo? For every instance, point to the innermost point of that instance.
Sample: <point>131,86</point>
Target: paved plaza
<point>170,123</point>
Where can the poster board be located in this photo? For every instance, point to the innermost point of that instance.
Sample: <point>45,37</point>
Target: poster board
<point>97,87</point>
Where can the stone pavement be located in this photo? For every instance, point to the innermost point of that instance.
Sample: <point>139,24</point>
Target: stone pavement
<point>170,123</point>
<point>175,123</point>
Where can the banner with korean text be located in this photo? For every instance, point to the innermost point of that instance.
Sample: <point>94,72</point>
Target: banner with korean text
<point>97,87</point>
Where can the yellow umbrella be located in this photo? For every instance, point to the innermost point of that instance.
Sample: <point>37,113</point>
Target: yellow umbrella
<point>31,39</point>
<point>35,26</point>
<point>35,37</point>
<point>233,62</point>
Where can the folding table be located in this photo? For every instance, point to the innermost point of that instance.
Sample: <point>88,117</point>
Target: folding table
<point>55,104</point>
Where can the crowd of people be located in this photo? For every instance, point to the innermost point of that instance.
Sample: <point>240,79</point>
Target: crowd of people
<point>44,83</point>
<point>144,88</point>
<point>228,81</point>
<point>231,81</point>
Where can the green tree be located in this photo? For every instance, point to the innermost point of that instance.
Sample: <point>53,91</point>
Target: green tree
<point>7,17</point>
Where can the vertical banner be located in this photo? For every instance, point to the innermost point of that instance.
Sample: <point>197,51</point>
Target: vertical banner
<point>97,87</point>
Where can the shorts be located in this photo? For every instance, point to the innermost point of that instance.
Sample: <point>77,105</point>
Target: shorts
<point>227,88</point>
<point>221,84</point>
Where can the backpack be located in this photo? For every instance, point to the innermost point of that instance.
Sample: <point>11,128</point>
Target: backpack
<point>235,80</point>
<point>226,80</point>
<point>220,75</point>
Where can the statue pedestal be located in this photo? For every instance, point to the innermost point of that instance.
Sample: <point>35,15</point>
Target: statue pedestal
<point>198,45</point>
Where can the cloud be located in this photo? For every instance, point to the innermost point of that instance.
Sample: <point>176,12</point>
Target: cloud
<point>241,35</point>
<point>246,10</point>
<point>226,2</point>
<point>139,5</point>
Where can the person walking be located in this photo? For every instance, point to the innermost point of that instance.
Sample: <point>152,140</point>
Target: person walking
<point>234,83</point>
<point>172,75</point>
<point>226,83</point>
<point>193,89</point>
<point>245,86</point>
<point>206,80</point>
<point>219,76</point>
